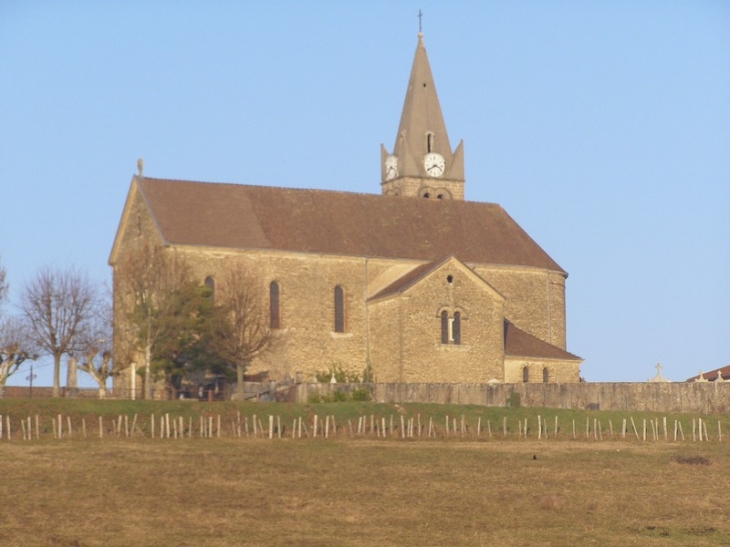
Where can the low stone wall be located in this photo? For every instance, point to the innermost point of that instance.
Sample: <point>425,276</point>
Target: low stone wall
<point>697,397</point>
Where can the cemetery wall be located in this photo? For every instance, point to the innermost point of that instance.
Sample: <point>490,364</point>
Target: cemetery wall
<point>694,397</point>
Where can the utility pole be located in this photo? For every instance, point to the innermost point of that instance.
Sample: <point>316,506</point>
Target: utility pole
<point>30,377</point>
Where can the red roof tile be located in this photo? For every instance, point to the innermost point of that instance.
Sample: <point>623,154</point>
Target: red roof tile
<point>518,343</point>
<point>340,223</point>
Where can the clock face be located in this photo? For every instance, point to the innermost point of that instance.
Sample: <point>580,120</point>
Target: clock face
<point>391,167</point>
<point>434,164</point>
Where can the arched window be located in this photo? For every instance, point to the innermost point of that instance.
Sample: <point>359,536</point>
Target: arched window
<point>210,283</point>
<point>444,327</point>
<point>545,375</point>
<point>339,309</point>
<point>456,328</point>
<point>274,318</point>
<point>429,142</point>
<point>525,374</point>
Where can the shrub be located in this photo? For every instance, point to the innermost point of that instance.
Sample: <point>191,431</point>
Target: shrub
<point>361,394</point>
<point>341,377</point>
<point>514,400</point>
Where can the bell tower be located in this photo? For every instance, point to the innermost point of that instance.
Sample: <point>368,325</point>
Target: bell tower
<point>422,163</point>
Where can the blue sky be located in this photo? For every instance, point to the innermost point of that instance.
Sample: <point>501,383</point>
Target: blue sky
<point>603,128</point>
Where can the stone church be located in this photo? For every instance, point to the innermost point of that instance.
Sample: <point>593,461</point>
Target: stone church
<point>416,284</point>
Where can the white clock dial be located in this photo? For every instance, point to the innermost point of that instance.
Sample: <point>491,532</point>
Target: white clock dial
<point>434,164</point>
<point>391,167</point>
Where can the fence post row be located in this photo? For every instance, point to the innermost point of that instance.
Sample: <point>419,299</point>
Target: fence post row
<point>211,426</point>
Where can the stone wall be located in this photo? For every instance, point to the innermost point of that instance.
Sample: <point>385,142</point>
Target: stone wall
<point>698,397</point>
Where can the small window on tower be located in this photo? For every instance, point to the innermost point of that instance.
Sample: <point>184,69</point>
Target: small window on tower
<point>429,142</point>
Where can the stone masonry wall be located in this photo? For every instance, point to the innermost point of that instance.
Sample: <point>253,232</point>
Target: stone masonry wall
<point>557,371</point>
<point>696,397</point>
<point>535,300</point>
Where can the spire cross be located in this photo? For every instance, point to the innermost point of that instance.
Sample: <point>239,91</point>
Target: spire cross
<point>420,15</point>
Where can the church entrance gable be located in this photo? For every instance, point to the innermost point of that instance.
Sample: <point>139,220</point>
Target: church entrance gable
<point>445,325</point>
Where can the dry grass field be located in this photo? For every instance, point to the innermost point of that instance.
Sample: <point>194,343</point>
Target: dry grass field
<point>231,491</point>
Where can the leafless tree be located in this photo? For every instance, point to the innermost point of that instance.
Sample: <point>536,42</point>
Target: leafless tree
<point>16,347</point>
<point>95,346</point>
<point>3,287</point>
<point>241,331</point>
<point>146,280</point>
<point>55,305</point>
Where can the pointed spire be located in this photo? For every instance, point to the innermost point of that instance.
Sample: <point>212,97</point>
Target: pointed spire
<point>421,114</point>
<point>421,132</point>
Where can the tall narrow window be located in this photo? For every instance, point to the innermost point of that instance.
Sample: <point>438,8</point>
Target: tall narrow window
<point>444,327</point>
<point>429,142</point>
<point>274,321</point>
<point>339,309</point>
<point>545,375</point>
<point>456,328</point>
<point>525,374</point>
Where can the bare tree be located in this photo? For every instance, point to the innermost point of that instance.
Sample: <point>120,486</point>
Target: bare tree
<point>147,279</point>
<point>241,330</point>
<point>16,347</point>
<point>95,346</point>
<point>55,304</point>
<point>3,287</point>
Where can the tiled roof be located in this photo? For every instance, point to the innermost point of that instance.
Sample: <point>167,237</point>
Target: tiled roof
<point>405,281</point>
<point>340,223</point>
<point>517,343</point>
<point>713,374</point>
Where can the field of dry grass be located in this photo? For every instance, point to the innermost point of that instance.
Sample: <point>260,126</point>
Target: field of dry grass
<point>316,492</point>
<point>470,490</point>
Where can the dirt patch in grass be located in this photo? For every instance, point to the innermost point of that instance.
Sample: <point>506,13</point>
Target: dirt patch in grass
<point>691,460</point>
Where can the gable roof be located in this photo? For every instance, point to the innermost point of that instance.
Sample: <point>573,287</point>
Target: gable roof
<point>341,223</point>
<point>518,343</point>
<point>403,283</point>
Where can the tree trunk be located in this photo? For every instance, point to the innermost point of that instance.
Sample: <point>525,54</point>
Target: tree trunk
<point>147,373</point>
<point>56,375</point>
<point>239,381</point>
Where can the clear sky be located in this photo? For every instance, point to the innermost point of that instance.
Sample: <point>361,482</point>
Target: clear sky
<point>603,128</point>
